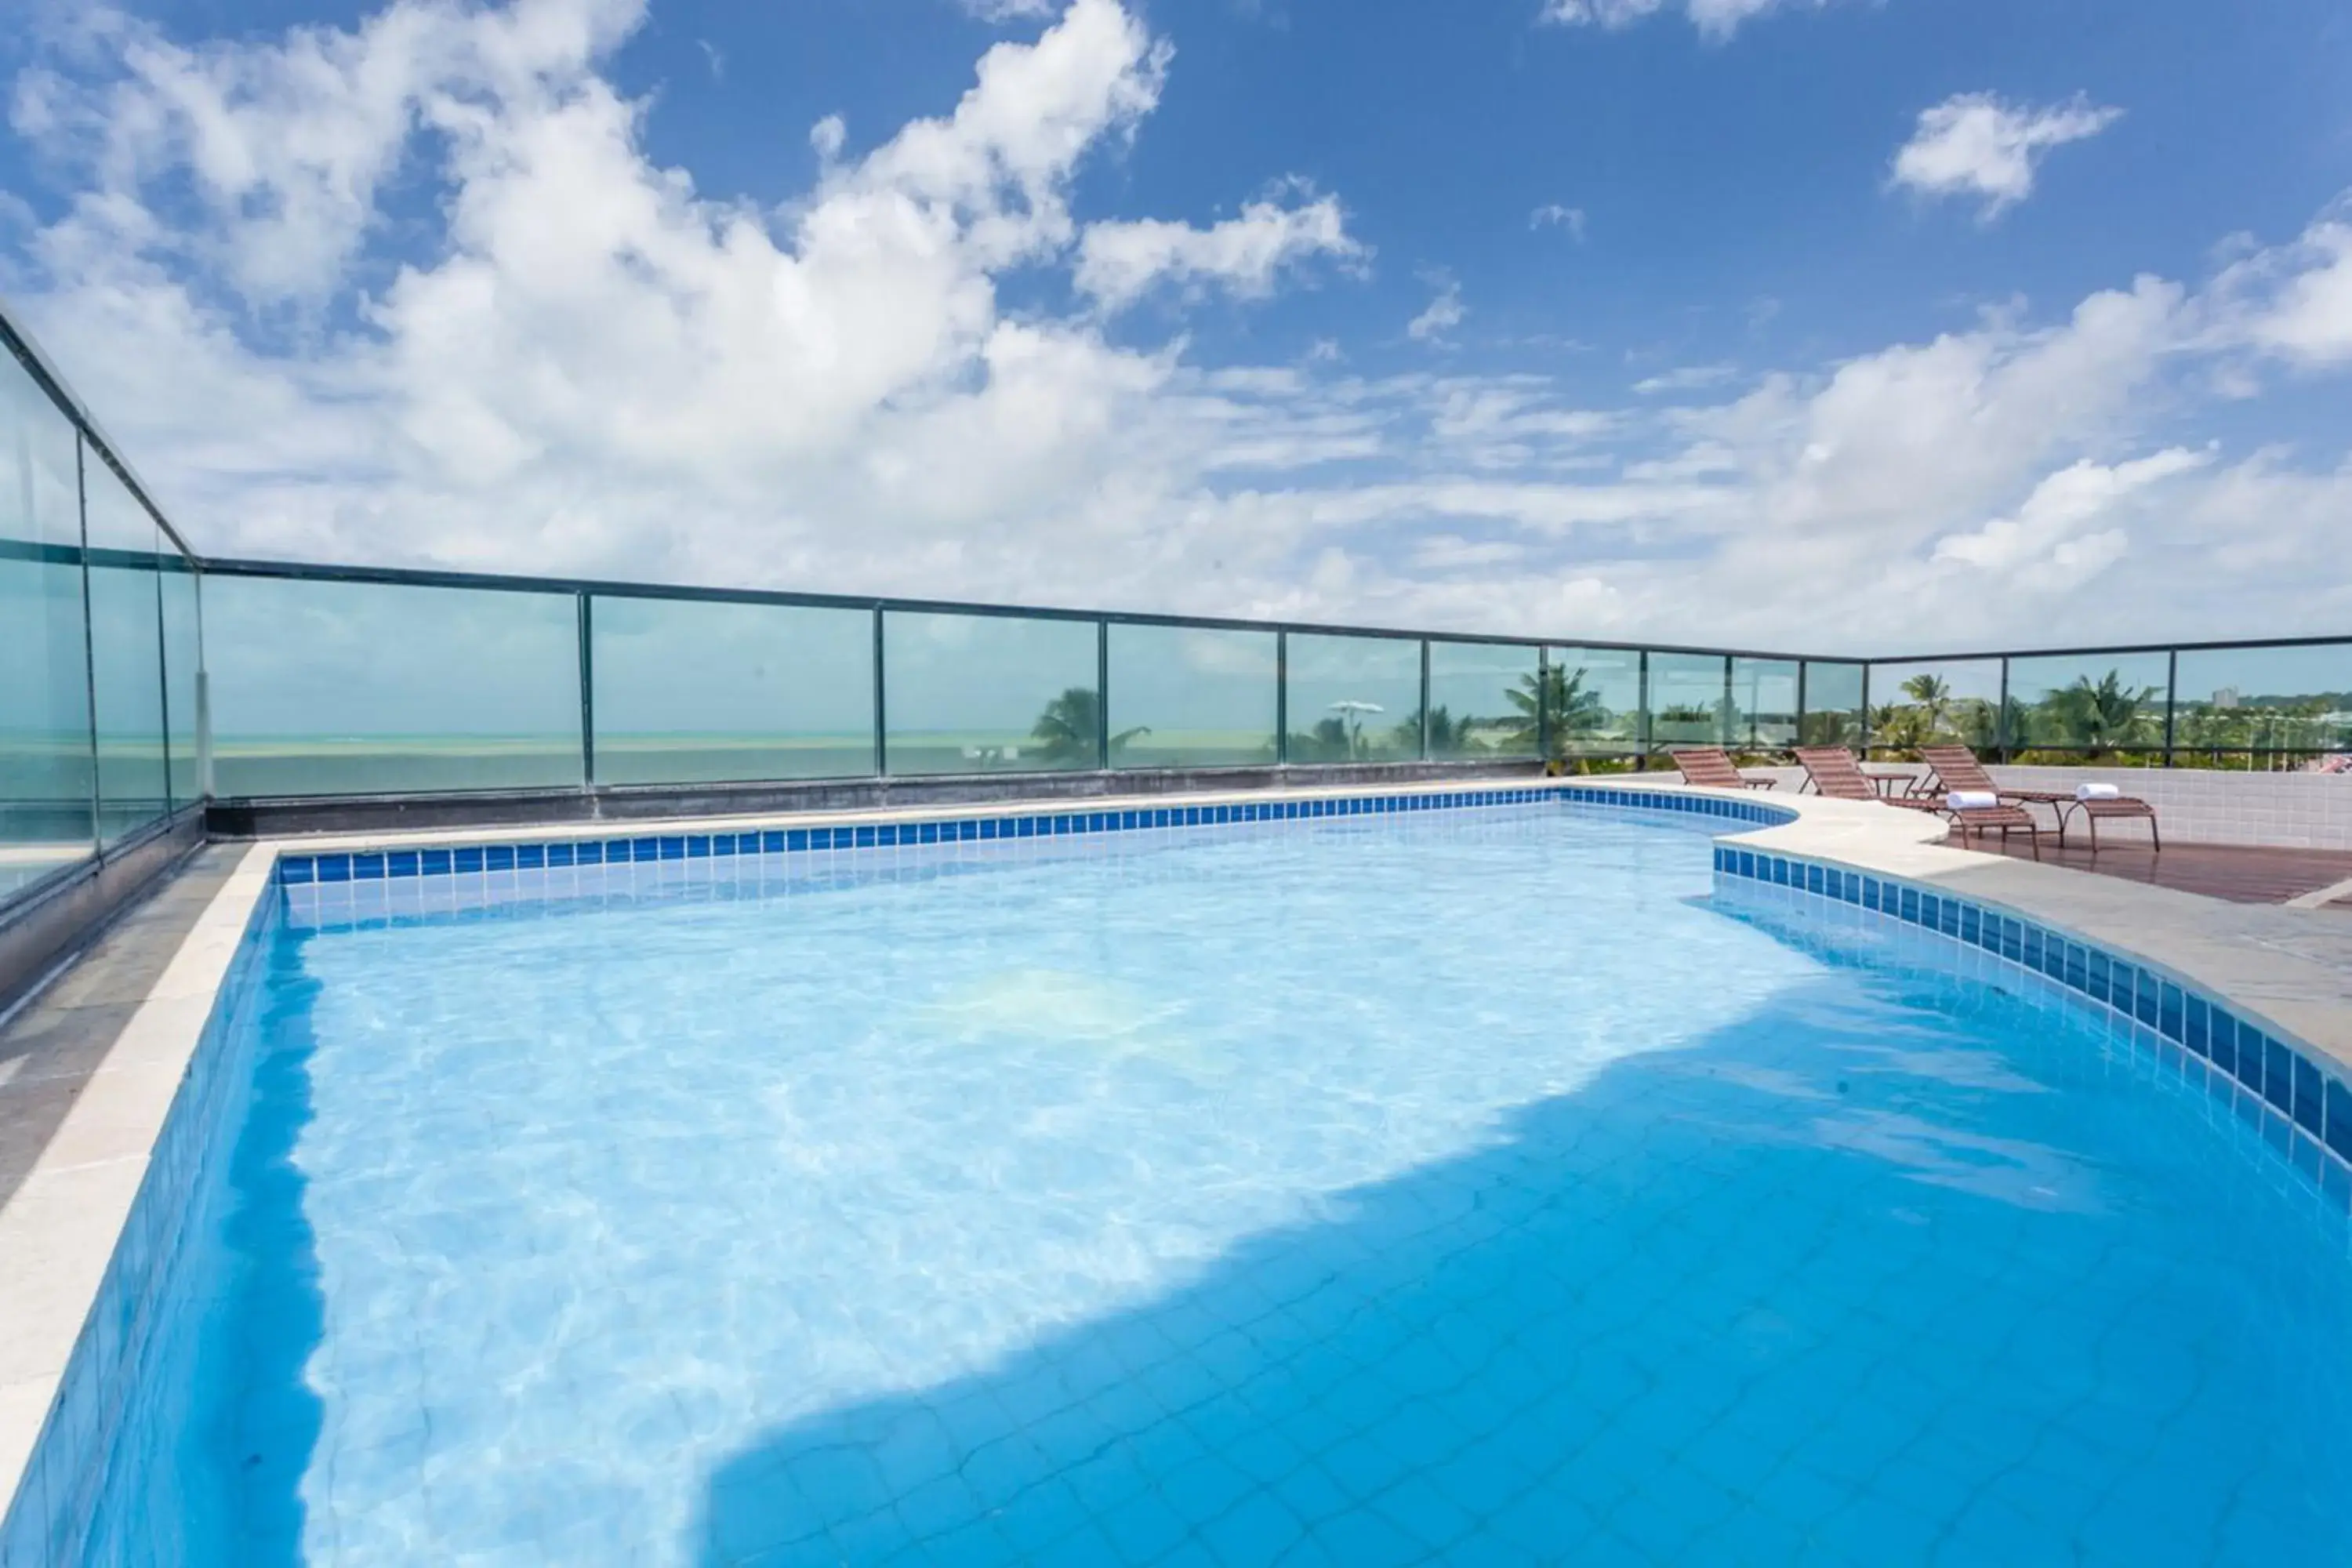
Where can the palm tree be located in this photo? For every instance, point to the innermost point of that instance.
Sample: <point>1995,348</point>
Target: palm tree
<point>1934,698</point>
<point>1071,727</point>
<point>1448,736</point>
<point>1557,703</point>
<point>2100,716</point>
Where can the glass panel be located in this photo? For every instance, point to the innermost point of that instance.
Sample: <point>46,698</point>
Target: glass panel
<point>2095,704</point>
<point>126,649</point>
<point>1354,699</point>
<point>1763,703</point>
<point>45,820</point>
<point>697,691</point>
<point>1482,700</point>
<point>181,652</point>
<point>1687,704</point>
<point>324,687</point>
<point>1833,704</point>
<point>1188,697</point>
<point>1914,705</point>
<point>2263,707</point>
<point>1595,696</point>
<point>971,694</point>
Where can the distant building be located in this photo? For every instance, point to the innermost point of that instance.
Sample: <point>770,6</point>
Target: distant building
<point>2226,697</point>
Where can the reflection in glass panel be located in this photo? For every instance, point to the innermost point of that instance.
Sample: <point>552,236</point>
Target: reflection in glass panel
<point>972,694</point>
<point>1191,697</point>
<point>1483,701</point>
<point>2093,704</point>
<point>44,761</point>
<point>1763,703</point>
<point>1354,699</point>
<point>126,650</point>
<point>1688,703</point>
<point>181,652</point>
<point>699,691</point>
<point>1833,704</point>
<point>1914,705</point>
<point>1595,697</point>
<point>325,688</point>
<point>2263,707</point>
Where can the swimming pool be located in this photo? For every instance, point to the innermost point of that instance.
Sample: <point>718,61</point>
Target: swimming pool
<point>1478,1185</point>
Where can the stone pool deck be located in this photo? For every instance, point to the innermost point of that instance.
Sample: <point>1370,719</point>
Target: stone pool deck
<point>89,1067</point>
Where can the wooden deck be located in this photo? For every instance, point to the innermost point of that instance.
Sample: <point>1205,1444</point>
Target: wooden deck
<point>2242,875</point>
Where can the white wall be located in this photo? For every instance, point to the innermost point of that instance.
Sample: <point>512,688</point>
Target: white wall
<point>2194,805</point>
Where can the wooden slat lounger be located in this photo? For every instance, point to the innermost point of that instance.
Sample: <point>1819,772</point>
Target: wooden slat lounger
<point>1711,767</point>
<point>1957,768</point>
<point>1833,771</point>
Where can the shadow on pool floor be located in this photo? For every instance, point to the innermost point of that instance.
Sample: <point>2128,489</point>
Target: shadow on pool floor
<point>1759,1302</point>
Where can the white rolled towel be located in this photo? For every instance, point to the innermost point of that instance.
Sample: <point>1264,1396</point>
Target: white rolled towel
<point>1972,799</point>
<point>2097,792</point>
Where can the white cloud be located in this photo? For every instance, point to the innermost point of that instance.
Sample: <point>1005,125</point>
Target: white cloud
<point>1715,19</point>
<point>2295,302</point>
<point>1444,313</point>
<point>1686,378</point>
<point>2049,543</point>
<point>1973,144</point>
<point>591,365</point>
<point>1551,214</point>
<point>1009,10</point>
<point>1119,262</point>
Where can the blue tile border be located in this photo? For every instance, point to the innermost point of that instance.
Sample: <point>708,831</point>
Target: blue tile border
<point>108,1385</point>
<point>297,870</point>
<point>2305,1107</point>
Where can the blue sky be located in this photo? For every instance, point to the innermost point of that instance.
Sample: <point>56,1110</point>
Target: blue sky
<point>2008,319</point>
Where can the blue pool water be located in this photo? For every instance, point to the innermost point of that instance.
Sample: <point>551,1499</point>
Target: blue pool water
<point>1464,1188</point>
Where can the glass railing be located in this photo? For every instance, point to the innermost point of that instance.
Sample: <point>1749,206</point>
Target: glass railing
<point>2273,706</point>
<point>100,685</point>
<point>136,681</point>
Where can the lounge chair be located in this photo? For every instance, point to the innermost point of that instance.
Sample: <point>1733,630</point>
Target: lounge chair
<point>1957,768</point>
<point>1833,771</point>
<point>1711,767</point>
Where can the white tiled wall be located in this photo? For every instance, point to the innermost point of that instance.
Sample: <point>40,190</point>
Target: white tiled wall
<point>2287,811</point>
<point>2196,805</point>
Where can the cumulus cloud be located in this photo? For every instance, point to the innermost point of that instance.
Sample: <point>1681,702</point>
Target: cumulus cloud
<point>1974,144</point>
<point>2295,302</point>
<point>1444,313</point>
<point>413,290</point>
<point>1715,19</point>
<point>2050,543</point>
<point>1119,262</point>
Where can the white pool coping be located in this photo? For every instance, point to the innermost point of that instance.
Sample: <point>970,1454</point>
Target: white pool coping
<point>60,1228</point>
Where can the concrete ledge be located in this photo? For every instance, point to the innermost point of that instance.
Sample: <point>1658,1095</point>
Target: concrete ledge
<point>61,1225</point>
<point>63,917</point>
<point>2292,967</point>
<point>280,819</point>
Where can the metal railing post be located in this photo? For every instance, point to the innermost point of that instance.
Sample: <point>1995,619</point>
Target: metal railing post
<point>2000,718</point>
<point>2172,700</point>
<point>1102,694</point>
<point>1424,699</point>
<point>1642,714</point>
<point>1543,704</point>
<point>881,708</point>
<point>1281,699</point>
<point>587,695</point>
